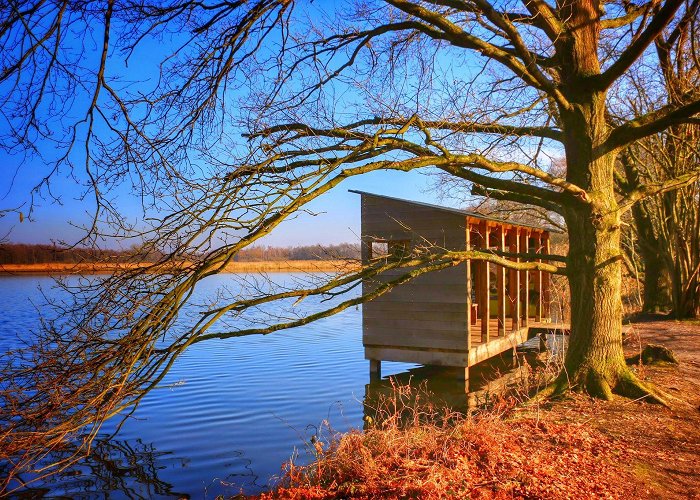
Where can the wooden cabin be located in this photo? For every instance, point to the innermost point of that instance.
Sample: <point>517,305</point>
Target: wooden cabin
<point>457,316</point>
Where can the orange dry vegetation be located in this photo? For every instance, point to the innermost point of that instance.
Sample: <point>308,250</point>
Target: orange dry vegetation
<point>233,267</point>
<point>67,268</point>
<point>479,457</point>
<point>576,448</point>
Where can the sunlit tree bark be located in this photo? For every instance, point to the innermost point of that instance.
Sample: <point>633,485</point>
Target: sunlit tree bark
<point>483,92</point>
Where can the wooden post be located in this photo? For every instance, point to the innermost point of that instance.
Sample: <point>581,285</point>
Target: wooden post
<point>469,287</point>
<point>525,279</point>
<point>546,298</point>
<point>366,249</point>
<point>514,280</point>
<point>538,280</point>
<point>375,369</point>
<point>501,283</point>
<point>463,376</point>
<point>484,296</point>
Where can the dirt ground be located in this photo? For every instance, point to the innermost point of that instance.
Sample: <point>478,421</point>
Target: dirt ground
<point>658,448</point>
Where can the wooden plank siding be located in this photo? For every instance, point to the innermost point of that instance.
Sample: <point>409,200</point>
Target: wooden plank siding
<point>434,300</point>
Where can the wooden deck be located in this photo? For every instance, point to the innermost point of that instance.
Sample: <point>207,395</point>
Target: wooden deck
<point>478,352</point>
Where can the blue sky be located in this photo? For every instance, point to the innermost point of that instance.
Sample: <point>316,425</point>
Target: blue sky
<point>60,210</point>
<point>337,216</point>
<point>336,219</point>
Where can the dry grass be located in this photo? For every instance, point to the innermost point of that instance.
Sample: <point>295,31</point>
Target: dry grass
<point>287,266</point>
<point>67,268</point>
<point>415,450</point>
<point>233,267</point>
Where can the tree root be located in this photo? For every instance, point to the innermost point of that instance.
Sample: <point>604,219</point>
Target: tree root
<point>597,386</point>
<point>631,387</point>
<point>555,390</point>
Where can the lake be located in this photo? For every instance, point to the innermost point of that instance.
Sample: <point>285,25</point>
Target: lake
<point>230,412</point>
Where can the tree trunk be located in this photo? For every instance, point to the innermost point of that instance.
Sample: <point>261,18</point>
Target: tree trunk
<point>682,230</point>
<point>657,295</point>
<point>656,292</point>
<point>685,288</point>
<point>595,361</point>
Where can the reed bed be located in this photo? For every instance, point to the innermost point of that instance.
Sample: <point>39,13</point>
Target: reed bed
<point>412,448</point>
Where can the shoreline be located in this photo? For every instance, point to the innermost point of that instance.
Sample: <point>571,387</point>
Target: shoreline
<point>576,447</point>
<point>283,266</point>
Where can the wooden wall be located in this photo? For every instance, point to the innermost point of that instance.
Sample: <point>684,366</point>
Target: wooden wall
<point>429,312</point>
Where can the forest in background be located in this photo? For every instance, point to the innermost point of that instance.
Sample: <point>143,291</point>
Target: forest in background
<point>22,253</point>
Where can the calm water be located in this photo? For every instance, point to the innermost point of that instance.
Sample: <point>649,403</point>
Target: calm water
<point>229,413</point>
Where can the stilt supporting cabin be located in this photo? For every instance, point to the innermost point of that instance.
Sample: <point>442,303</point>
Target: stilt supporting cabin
<point>457,316</point>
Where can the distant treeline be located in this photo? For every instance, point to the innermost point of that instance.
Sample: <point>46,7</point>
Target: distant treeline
<point>311,252</point>
<point>19,253</point>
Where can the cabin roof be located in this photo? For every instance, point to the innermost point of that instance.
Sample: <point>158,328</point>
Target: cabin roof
<point>457,211</point>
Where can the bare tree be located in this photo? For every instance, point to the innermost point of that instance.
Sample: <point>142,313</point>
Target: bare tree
<point>478,91</point>
<point>473,197</point>
<point>668,226</point>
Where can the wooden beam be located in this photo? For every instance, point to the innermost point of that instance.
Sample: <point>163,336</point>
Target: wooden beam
<point>501,283</point>
<point>366,249</point>
<point>525,279</point>
<point>514,280</point>
<point>463,376</point>
<point>546,296</point>
<point>375,369</point>
<point>439,357</point>
<point>484,296</point>
<point>468,277</point>
<point>538,280</point>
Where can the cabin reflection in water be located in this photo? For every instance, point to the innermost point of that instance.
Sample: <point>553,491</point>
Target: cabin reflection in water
<point>459,316</point>
<point>434,388</point>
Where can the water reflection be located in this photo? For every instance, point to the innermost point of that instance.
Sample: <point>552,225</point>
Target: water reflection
<point>256,394</point>
<point>123,469</point>
<point>512,373</point>
<point>137,469</point>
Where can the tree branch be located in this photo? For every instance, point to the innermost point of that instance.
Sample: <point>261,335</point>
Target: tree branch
<point>525,199</point>
<point>633,12</point>
<point>545,17</point>
<point>434,262</point>
<point>446,30</point>
<point>653,122</point>
<point>655,188</point>
<point>637,48</point>
<point>461,127</point>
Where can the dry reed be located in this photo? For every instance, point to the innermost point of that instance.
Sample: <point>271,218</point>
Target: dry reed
<point>411,448</point>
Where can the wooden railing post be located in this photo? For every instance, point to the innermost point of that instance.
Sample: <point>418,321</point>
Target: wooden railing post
<point>546,297</point>
<point>501,283</point>
<point>514,280</point>
<point>525,279</point>
<point>468,246</point>
<point>538,280</point>
<point>484,296</point>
